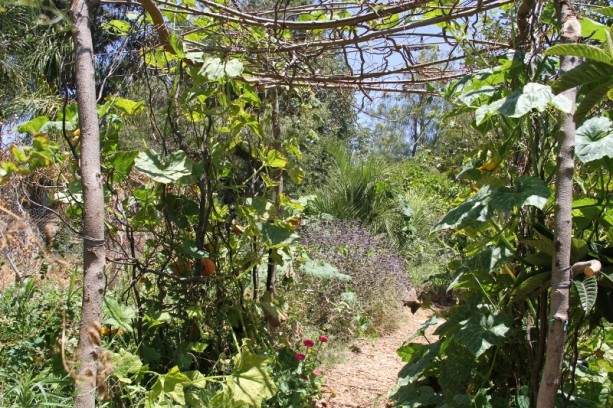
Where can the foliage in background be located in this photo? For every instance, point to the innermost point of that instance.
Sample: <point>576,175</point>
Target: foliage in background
<point>365,190</point>
<point>357,278</point>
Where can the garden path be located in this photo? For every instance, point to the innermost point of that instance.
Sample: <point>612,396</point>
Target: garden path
<point>371,368</point>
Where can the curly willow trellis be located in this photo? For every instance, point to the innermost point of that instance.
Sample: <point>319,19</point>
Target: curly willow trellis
<point>376,44</point>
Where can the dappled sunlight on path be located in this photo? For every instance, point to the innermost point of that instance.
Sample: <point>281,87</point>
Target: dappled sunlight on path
<point>371,369</point>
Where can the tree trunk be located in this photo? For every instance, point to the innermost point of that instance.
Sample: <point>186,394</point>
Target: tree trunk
<point>93,207</point>
<point>561,269</point>
<point>271,272</point>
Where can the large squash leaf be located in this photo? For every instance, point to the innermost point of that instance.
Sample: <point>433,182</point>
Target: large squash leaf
<point>174,167</point>
<point>250,382</point>
<point>594,139</point>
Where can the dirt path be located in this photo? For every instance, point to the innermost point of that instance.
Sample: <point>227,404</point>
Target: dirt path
<point>368,373</point>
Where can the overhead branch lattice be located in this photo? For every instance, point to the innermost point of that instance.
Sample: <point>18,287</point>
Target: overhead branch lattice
<point>377,45</point>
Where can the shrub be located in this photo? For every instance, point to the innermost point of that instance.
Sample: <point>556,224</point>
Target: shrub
<point>369,300</point>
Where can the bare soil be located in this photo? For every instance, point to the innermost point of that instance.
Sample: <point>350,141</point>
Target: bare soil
<point>370,369</point>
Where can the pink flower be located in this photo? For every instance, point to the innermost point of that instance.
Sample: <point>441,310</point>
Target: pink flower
<point>316,372</point>
<point>308,343</point>
<point>323,339</point>
<point>300,356</point>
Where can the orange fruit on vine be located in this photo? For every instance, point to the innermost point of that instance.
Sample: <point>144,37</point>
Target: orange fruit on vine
<point>208,267</point>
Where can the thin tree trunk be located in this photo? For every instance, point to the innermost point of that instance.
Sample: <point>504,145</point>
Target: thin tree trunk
<point>561,268</point>
<point>271,273</point>
<point>93,207</point>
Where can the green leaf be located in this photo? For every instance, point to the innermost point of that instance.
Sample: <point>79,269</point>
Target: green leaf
<point>581,50</point>
<point>527,191</point>
<point>414,396</point>
<point>594,139</point>
<point>33,126</point>
<point>117,27</point>
<point>482,331</point>
<point>592,98</point>
<point>422,359</point>
<point>585,73</point>
<point>176,166</point>
<point>275,159</point>
<point>593,29</point>
<point>170,384</point>
<point>127,106</point>
<point>275,235</point>
<point>605,11</point>
<point>530,284</point>
<point>479,208</point>
<point>250,381</point>
<point>532,96</point>
<point>118,315</point>
<point>126,365</point>
<point>233,68</point>
<point>587,291</point>
<point>18,154</point>
<point>214,69</point>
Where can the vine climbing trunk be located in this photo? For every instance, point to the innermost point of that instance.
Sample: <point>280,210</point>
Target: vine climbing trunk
<point>561,269</point>
<point>93,207</point>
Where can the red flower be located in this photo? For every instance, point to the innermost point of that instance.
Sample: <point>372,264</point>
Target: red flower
<point>308,343</point>
<point>300,356</point>
<point>323,339</point>
<point>316,372</point>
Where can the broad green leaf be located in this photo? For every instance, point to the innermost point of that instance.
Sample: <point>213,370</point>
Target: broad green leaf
<point>250,381</point>
<point>407,351</point>
<point>33,126</point>
<point>275,235</point>
<point>214,69</point>
<point>457,371</point>
<point>19,154</point>
<point>532,96</point>
<point>233,68</point>
<point>605,11</point>
<point>482,331</point>
<point>127,106</point>
<point>117,27</point>
<point>118,315</point>
<point>196,379</point>
<point>414,396</point>
<point>122,163</point>
<point>527,191</point>
<point>323,270</point>
<point>171,385</point>
<point>592,98</point>
<point>479,208</point>
<point>421,359</point>
<point>175,166</point>
<point>530,284</point>
<point>594,139</point>
<point>57,126</point>
<point>585,73</point>
<point>126,365</point>
<point>593,29</point>
<point>275,159</point>
<point>587,291</point>
<point>177,45</point>
<point>589,52</point>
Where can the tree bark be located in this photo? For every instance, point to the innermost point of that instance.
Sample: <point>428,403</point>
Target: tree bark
<point>561,269</point>
<point>271,272</point>
<point>93,207</point>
